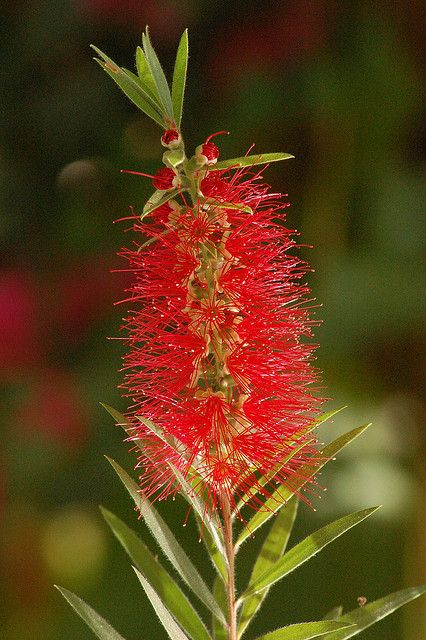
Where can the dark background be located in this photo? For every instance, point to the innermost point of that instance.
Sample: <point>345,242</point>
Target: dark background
<point>336,83</point>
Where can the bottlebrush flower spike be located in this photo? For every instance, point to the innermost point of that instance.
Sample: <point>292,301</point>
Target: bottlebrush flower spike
<point>218,358</point>
<point>219,369</point>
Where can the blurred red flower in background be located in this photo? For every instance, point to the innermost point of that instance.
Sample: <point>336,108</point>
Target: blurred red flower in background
<point>85,292</point>
<point>54,408</point>
<point>165,18</point>
<point>19,323</point>
<point>291,31</point>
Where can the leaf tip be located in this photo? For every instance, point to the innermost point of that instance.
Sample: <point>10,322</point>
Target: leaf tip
<point>106,514</point>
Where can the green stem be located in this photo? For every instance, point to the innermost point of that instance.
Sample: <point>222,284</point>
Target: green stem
<point>230,555</point>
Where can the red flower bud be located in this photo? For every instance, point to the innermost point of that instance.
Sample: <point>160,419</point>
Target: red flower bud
<point>210,151</point>
<point>164,178</point>
<point>170,138</point>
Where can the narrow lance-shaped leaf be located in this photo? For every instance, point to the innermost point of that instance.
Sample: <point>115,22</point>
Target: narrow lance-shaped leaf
<point>179,78</point>
<point>157,74</point>
<point>306,549</point>
<point>249,161</point>
<point>334,614</point>
<point>364,617</point>
<point>216,556</point>
<point>171,626</point>
<point>136,80</point>
<point>120,420</point>
<point>167,541</point>
<point>145,77</point>
<point>304,631</point>
<point>157,199</point>
<point>189,493</point>
<point>324,417</point>
<point>231,205</point>
<point>100,627</point>
<point>307,471</point>
<point>164,585</point>
<point>210,535</point>
<point>132,89</point>
<point>271,551</point>
<point>200,509</point>
<point>154,98</point>
<point>220,631</point>
<point>266,479</point>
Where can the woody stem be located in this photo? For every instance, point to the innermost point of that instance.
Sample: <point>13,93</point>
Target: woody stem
<point>230,555</point>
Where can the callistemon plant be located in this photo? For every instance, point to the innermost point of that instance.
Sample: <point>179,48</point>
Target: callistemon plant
<point>223,409</point>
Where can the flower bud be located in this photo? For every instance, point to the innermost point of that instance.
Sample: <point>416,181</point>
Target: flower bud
<point>207,153</point>
<point>164,179</point>
<point>174,157</point>
<point>171,139</point>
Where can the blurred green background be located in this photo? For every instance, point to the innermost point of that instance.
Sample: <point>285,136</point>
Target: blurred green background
<point>338,84</point>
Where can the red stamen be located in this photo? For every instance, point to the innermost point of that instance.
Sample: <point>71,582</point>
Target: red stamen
<point>218,133</point>
<point>137,173</point>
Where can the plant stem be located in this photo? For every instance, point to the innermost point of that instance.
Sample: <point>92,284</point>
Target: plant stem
<point>230,555</point>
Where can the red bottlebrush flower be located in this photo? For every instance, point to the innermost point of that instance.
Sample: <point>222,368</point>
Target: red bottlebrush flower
<point>218,358</point>
<point>164,179</point>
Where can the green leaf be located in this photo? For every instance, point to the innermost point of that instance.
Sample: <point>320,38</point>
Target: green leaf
<point>220,631</point>
<point>179,78</point>
<point>157,199</point>
<point>173,629</point>
<point>334,614</point>
<point>123,422</point>
<point>210,535</point>
<point>324,417</point>
<point>307,471</point>
<point>157,74</point>
<point>228,205</point>
<point>303,631</point>
<point>271,551</point>
<point>200,509</point>
<point>214,536</point>
<point>306,549</point>
<point>167,541</point>
<point>266,479</point>
<point>249,161</point>
<point>116,415</point>
<point>145,77</point>
<point>216,556</point>
<point>160,580</point>
<point>364,617</point>
<point>98,625</point>
<point>130,87</point>
<point>154,428</point>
